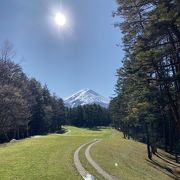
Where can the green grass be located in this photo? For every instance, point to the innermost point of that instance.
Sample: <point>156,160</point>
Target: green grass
<point>130,157</point>
<point>87,166</point>
<point>51,157</point>
<point>46,157</point>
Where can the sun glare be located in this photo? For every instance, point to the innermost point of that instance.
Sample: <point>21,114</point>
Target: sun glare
<point>60,19</point>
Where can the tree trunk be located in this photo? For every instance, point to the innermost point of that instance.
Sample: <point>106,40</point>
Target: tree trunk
<point>18,133</point>
<point>27,130</point>
<point>148,142</point>
<point>14,134</point>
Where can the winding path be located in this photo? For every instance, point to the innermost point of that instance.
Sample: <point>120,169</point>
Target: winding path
<point>81,169</point>
<point>95,165</point>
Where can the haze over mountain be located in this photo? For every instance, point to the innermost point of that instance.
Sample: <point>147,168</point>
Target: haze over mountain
<point>86,96</point>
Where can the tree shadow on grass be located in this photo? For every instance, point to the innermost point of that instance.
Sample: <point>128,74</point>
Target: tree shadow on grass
<point>168,170</point>
<point>167,159</point>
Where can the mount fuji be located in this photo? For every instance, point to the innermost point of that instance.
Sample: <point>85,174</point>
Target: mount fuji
<point>86,96</point>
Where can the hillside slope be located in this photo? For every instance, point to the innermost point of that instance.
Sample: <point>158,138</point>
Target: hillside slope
<point>51,157</point>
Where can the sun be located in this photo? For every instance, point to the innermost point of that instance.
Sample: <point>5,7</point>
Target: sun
<point>60,19</point>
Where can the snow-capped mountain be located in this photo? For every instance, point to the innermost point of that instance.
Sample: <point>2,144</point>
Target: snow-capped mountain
<point>86,96</point>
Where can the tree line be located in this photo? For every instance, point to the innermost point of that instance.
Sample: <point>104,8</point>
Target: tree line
<point>26,107</point>
<point>88,116</point>
<point>147,105</point>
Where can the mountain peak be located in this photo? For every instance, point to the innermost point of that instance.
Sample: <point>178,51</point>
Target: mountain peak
<point>86,89</point>
<point>86,96</point>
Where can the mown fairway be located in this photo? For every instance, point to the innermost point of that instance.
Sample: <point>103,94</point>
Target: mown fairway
<point>51,157</point>
<point>46,157</point>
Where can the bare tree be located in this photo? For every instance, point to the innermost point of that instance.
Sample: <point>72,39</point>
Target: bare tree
<point>7,51</point>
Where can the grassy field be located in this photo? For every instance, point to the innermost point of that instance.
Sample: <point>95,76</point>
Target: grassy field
<point>51,157</point>
<point>45,157</point>
<point>126,159</point>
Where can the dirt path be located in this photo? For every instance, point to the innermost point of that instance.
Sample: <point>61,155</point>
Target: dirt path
<point>79,167</point>
<point>85,174</point>
<point>95,165</point>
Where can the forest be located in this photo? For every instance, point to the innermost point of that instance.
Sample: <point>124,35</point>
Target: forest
<point>147,102</point>
<point>28,108</point>
<point>90,115</point>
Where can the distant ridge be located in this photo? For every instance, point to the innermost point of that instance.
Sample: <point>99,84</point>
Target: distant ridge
<point>86,96</point>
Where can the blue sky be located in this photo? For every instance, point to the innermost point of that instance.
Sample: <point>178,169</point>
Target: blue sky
<point>82,54</point>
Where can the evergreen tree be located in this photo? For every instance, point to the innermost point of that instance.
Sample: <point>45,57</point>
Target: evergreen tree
<point>149,81</point>
<point>26,107</point>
